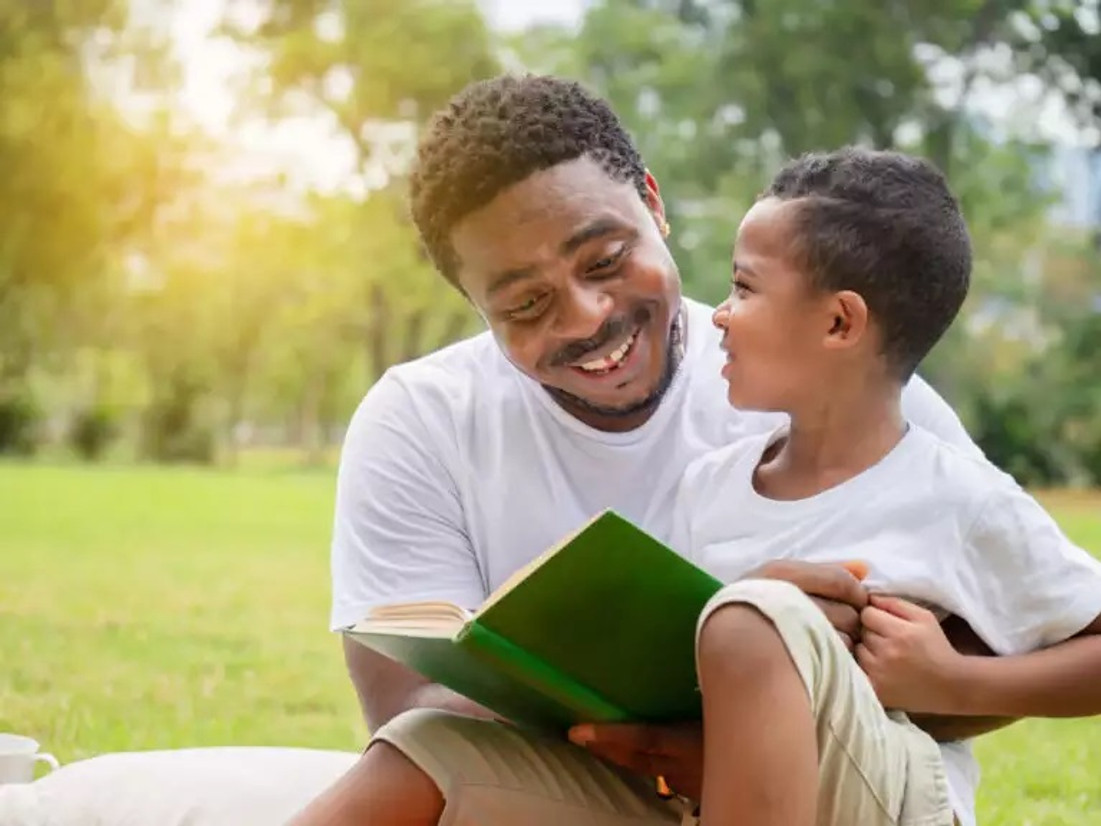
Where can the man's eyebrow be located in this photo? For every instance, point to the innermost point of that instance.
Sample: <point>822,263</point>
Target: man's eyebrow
<point>508,278</point>
<point>597,229</point>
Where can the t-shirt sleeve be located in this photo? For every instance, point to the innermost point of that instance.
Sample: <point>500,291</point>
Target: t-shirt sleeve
<point>1028,586</point>
<point>398,527</point>
<point>923,406</point>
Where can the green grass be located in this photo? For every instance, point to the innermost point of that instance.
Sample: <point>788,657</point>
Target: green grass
<point>159,608</point>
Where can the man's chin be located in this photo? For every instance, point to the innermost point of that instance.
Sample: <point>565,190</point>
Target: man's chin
<point>640,403</point>
<point>611,410</point>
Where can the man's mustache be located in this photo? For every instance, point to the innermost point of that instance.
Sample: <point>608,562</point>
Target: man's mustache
<point>614,328</point>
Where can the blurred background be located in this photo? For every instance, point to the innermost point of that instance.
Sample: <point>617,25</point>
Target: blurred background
<point>206,260</point>
<point>205,246</point>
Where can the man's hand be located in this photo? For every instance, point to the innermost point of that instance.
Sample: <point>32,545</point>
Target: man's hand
<point>907,657</point>
<point>834,587</point>
<point>672,752</point>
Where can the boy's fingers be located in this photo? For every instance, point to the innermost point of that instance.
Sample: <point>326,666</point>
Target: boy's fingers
<point>900,607</point>
<point>880,622</point>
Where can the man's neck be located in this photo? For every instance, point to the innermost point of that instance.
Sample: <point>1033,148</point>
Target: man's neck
<point>832,442</point>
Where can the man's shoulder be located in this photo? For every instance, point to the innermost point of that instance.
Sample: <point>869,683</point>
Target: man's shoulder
<point>448,375</point>
<point>434,397</point>
<point>716,468</point>
<point>956,473</point>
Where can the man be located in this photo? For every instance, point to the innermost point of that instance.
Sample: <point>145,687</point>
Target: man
<point>594,387</point>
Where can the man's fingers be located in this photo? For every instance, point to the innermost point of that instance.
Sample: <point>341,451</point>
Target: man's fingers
<point>842,617</point>
<point>622,736</point>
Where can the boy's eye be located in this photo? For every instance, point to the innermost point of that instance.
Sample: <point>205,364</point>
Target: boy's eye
<point>740,287</point>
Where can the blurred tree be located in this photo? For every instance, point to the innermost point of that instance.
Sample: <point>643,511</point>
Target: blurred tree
<point>76,181</point>
<point>379,68</point>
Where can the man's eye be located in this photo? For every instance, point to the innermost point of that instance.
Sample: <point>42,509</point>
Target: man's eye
<point>608,261</point>
<point>526,309</point>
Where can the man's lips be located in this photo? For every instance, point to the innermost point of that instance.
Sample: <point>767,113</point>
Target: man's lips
<point>609,358</point>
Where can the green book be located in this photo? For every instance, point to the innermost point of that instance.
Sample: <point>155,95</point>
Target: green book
<point>600,628</point>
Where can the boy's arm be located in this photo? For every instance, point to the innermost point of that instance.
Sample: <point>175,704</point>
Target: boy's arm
<point>1061,681</point>
<point>913,667</point>
<point>1028,592</point>
<point>948,727</point>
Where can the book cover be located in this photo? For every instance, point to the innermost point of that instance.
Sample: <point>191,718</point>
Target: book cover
<point>600,628</point>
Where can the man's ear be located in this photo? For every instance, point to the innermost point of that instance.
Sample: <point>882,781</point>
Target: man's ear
<point>847,323</point>
<point>654,202</point>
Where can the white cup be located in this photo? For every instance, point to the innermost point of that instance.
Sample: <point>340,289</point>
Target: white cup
<point>18,756</point>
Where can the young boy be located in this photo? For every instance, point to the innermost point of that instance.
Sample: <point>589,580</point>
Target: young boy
<point>846,273</point>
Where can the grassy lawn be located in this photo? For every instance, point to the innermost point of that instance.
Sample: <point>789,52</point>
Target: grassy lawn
<point>150,608</point>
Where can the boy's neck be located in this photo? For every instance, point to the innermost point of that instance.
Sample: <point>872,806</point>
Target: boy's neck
<point>833,442</point>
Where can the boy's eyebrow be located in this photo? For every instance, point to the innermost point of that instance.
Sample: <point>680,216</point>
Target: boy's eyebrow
<point>738,266</point>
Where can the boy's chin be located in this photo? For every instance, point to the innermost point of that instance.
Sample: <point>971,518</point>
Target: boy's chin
<point>751,402</point>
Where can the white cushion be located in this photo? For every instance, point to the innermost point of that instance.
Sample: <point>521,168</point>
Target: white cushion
<point>232,786</point>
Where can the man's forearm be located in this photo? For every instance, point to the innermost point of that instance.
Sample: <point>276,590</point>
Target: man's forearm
<point>945,728</point>
<point>434,695</point>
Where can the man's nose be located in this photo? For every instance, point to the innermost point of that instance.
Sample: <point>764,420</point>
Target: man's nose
<point>586,309</point>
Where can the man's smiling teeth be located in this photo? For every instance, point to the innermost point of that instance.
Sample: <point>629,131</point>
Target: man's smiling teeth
<point>611,360</point>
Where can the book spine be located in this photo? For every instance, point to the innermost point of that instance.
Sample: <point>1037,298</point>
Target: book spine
<point>587,704</point>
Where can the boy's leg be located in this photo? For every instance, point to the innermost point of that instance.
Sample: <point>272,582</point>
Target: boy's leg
<point>753,695</point>
<point>760,638</point>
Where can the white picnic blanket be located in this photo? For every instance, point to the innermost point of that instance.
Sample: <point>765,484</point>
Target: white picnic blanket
<point>229,786</point>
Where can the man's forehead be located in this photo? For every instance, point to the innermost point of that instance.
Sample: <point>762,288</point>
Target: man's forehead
<point>538,217</point>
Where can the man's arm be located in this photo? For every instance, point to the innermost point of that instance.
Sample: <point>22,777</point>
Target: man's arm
<point>399,535</point>
<point>387,688</point>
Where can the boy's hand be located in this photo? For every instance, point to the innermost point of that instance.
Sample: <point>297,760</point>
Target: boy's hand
<point>672,752</point>
<point>907,657</point>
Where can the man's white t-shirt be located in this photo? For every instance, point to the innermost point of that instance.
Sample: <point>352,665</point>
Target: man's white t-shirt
<point>936,525</point>
<point>458,469</point>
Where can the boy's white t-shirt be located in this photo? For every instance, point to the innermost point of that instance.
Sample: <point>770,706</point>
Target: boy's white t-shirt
<point>457,469</point>
<point>936,525</point>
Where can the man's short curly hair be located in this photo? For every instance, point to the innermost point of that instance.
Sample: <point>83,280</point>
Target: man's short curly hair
<point>497,132</point>
<point>885,225</point>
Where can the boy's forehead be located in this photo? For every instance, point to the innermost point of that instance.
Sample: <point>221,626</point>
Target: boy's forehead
<point>767,226</point>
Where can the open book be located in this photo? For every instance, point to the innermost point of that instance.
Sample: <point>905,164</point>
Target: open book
<point>600,628</point>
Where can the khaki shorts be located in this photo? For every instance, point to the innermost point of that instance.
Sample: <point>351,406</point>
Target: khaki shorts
<point>876,768</point>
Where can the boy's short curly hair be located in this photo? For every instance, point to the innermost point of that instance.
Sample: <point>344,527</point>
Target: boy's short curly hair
<point>884,225</point>
<point>496,133</point>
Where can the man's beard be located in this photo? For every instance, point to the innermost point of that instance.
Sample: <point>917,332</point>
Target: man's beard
<point>674,355</point>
